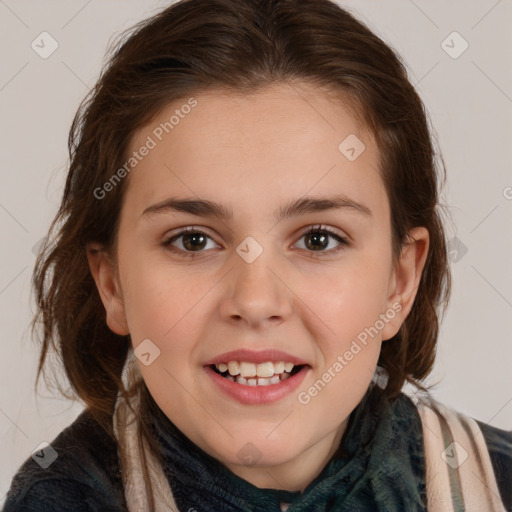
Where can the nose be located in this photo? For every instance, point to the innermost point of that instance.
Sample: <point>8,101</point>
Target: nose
<point>257,294</point>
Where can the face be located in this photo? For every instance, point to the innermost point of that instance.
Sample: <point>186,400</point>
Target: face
<point>298,269</point>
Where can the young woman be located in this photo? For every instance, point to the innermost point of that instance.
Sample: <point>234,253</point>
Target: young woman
<point>248,264</point>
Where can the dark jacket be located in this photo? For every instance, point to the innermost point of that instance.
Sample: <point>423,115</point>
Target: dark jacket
<point>86,475</point>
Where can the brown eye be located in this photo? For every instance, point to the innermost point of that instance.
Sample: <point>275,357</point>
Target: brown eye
<point>188,241</point>
<point>194,241</point>
<point>318,239</point>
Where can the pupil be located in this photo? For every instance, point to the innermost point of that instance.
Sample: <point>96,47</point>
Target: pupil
<point>317,237</point>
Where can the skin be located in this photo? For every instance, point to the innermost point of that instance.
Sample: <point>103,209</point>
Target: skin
<point>253,153</point>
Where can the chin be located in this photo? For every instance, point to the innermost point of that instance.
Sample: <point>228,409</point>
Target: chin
<point>254,452</point>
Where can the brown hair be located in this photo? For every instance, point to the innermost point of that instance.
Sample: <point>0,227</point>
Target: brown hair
<point>240,45</point>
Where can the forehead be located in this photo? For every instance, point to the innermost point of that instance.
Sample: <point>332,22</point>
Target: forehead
<point>274,144</point>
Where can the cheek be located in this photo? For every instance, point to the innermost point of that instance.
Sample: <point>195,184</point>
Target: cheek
<point>351,305</point>
<point>158,297</point>
<point>158,306</point>
<point>349,299</point>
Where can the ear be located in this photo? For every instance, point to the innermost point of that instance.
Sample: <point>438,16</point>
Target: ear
<point>105,276</point>
<point>405,279</point>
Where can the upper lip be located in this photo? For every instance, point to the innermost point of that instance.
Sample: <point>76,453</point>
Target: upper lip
<point>256,357</point>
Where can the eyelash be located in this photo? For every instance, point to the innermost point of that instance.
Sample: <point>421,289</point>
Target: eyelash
<point>343,242</point>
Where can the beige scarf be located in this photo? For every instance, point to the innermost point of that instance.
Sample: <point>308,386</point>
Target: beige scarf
<point>459,472</point>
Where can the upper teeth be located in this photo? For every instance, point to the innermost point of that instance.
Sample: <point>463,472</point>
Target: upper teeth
<point>246,369</point>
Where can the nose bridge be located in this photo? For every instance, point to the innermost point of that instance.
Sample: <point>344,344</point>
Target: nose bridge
<point>258,292</point>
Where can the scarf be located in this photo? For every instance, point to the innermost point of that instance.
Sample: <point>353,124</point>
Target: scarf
<point>379,466</point>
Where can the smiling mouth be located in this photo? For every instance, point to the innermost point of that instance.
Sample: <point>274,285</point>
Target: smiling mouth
<point>251,374</point>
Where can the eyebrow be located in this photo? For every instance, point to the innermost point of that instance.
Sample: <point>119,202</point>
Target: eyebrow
<point>301,206</point>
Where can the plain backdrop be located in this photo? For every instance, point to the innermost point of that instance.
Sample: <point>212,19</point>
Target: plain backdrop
<point>468,96</point>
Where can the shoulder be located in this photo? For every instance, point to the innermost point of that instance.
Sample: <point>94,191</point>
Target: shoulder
<point>472,452</point>
<point>499,444</point>
<point>78,471</point>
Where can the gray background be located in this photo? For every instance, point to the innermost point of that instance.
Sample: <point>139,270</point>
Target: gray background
<point>470,102</point>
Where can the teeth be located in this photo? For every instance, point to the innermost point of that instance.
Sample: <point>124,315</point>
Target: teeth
<point>233,368</point>
<point>259,381</point>
<point>274,380</point>
<point>265,370</point>
<point>250,374</point>
<point>278,368</point>
<point>246,369</point>
<point>266,382</point>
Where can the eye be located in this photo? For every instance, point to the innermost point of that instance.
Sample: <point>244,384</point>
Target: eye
<point>317,240</point>
<point>190,240</point>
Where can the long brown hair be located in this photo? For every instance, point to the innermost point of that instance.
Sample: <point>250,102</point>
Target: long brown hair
<point>240,45</point>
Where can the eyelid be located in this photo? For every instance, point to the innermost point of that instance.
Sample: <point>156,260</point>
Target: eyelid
<point>176,233</point>
<point>322,227</point>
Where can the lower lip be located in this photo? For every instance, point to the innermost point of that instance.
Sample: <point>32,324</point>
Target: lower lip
<point>254,395</point>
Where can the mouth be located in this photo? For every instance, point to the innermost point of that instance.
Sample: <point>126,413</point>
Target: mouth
<point>256,377</point>
<point>262,374</point>
<point>256,384</point>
